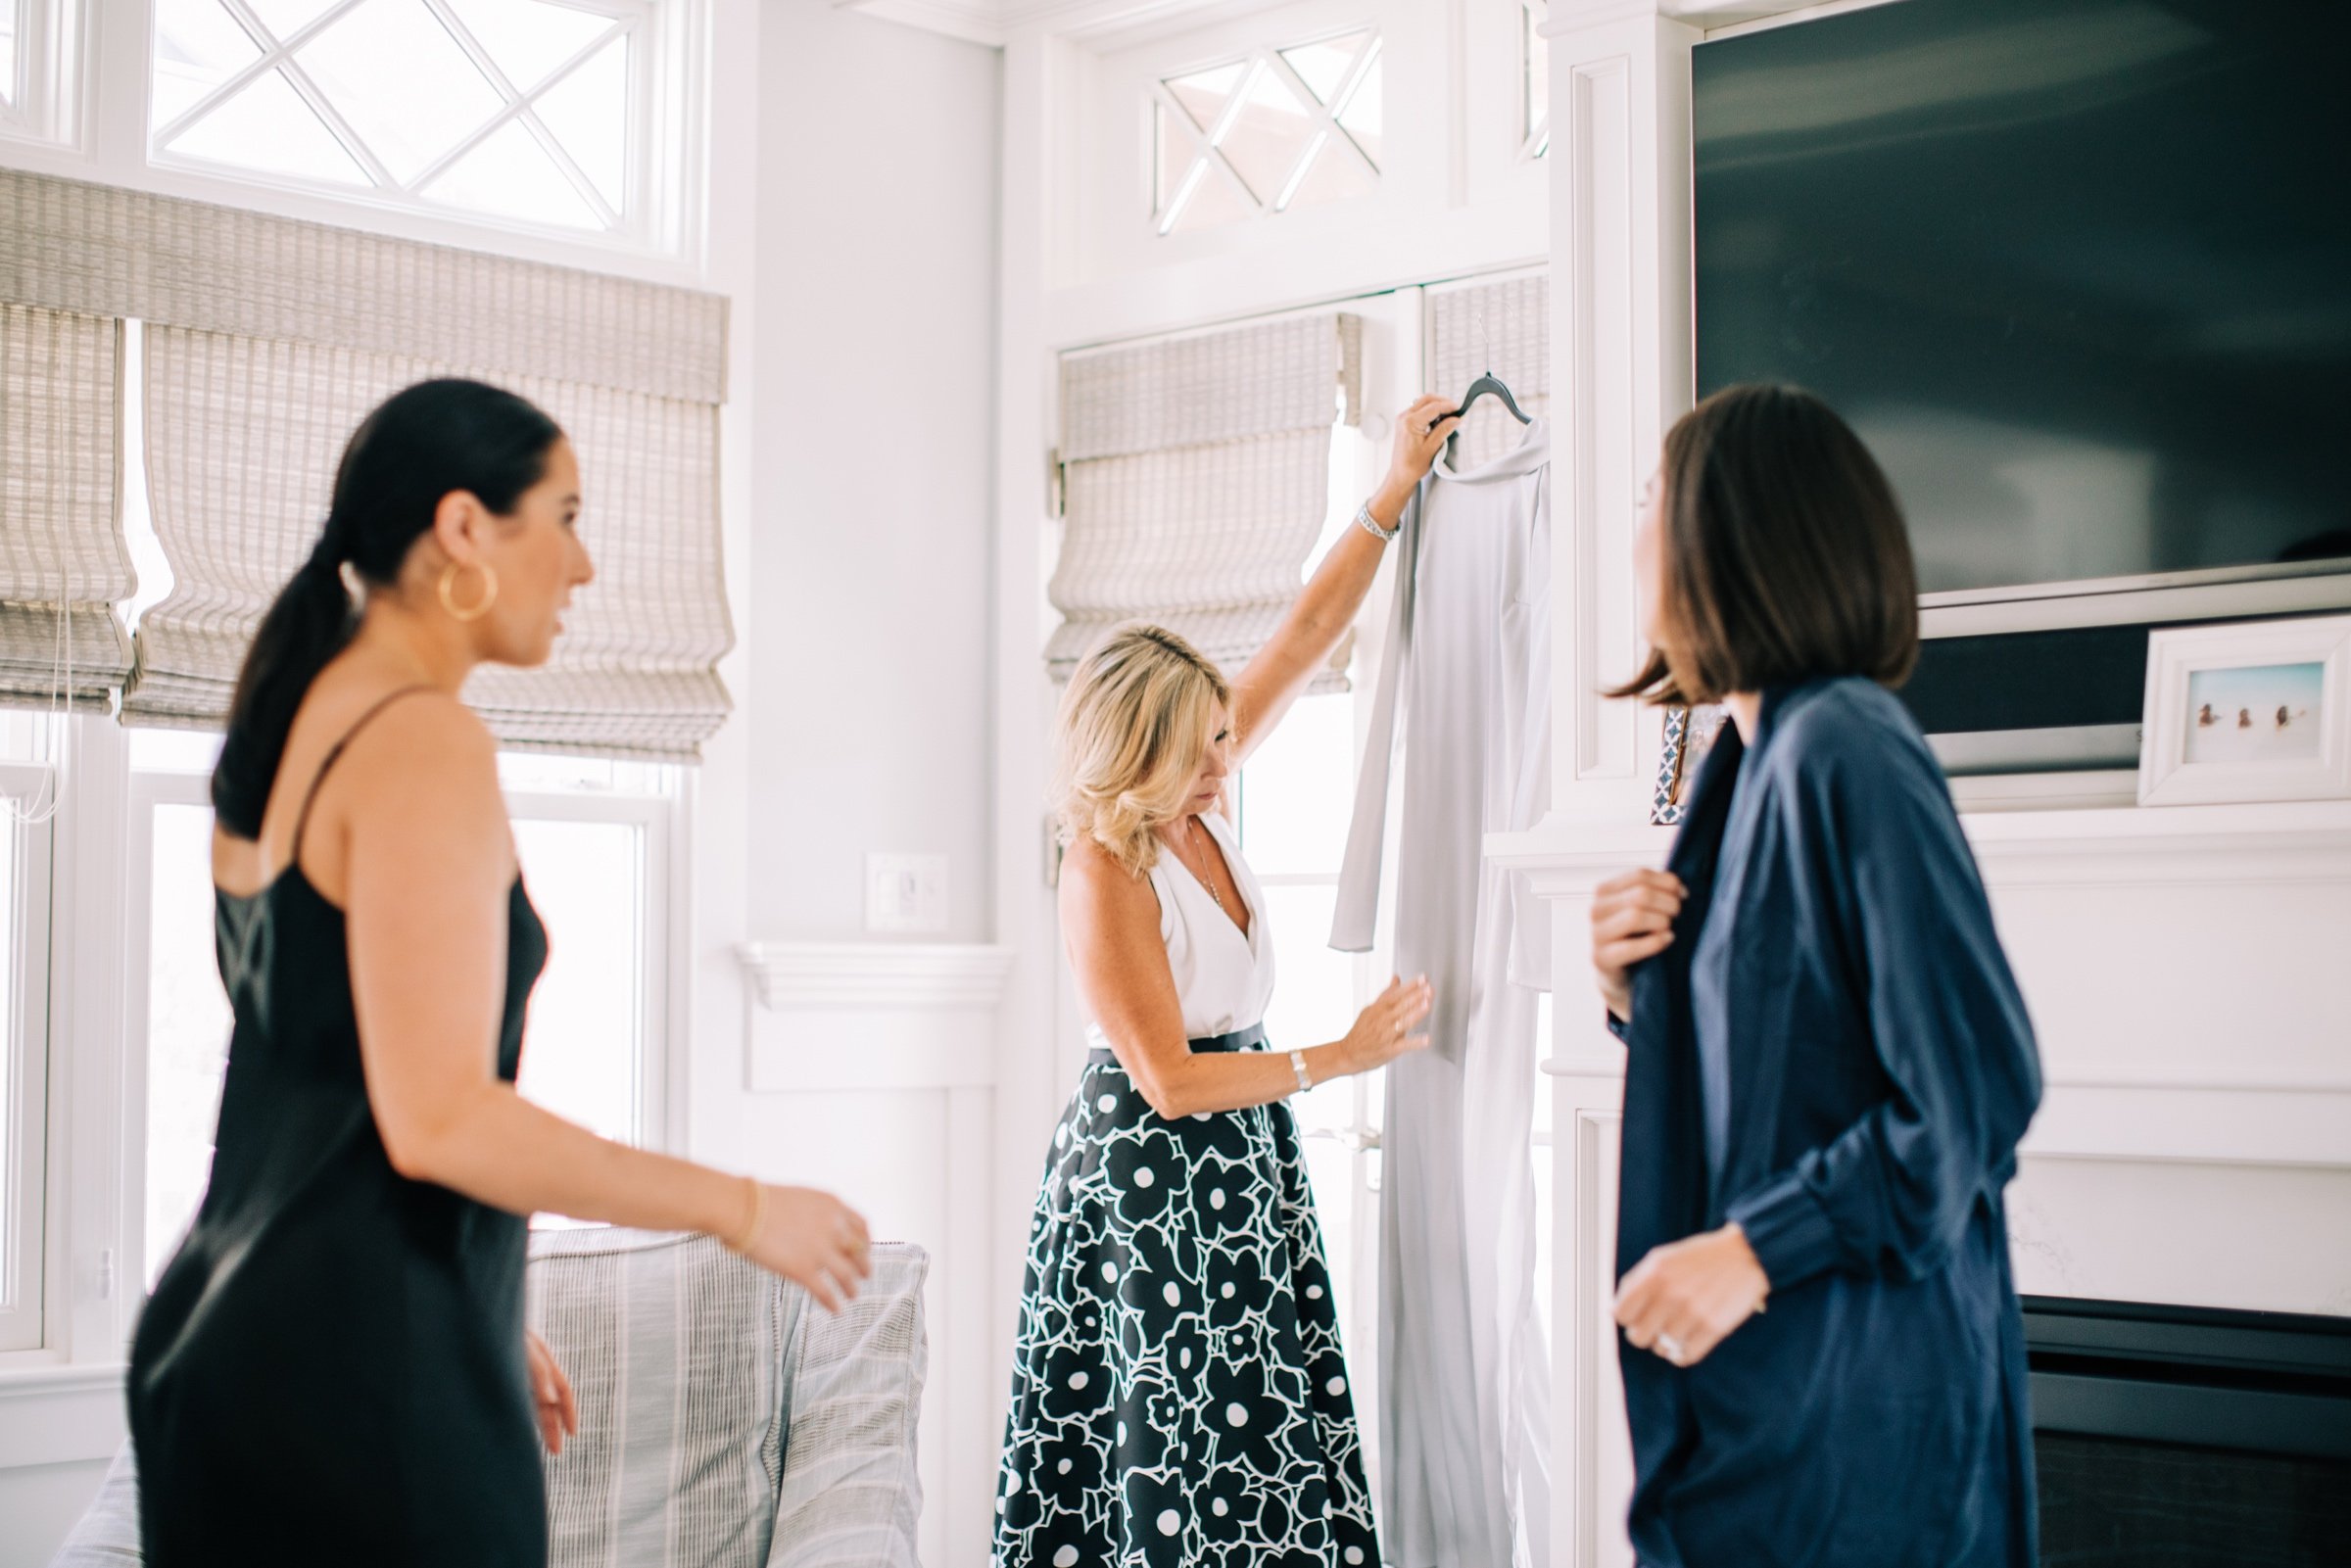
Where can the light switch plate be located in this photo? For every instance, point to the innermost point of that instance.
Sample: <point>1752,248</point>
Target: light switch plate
<point>906,894</point>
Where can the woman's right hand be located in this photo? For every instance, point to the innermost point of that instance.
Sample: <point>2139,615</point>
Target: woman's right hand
<point>816,1241</point>
<point>1382,1032</point>
<point>1421,431</point>
<point>1632,920</point>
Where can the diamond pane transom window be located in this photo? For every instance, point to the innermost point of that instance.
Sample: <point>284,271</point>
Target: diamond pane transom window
<point>526,109</point>
<point>1284,129</point>
<point>1537,54</point>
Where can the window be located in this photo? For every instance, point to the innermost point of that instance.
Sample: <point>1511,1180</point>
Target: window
<point>38,68</point>
<point>535,111</point>
<point>12,64</point>
<point>1283,129</point>
<point>593,840</point>
<point>1536,76</point>
<point>26,799</point>
<point>1295,799</point>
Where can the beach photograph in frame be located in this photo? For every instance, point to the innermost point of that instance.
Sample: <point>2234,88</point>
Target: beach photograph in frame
<point>2260,713</point>
<point>2249,711</point>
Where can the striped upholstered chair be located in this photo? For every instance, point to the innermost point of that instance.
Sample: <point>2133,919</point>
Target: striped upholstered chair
<point>724,1423</point>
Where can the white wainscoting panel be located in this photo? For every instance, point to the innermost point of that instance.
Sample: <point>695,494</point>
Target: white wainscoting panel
<point>871,1068</point>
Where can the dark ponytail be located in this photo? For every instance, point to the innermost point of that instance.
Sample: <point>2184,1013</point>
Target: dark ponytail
<point>423,443</point>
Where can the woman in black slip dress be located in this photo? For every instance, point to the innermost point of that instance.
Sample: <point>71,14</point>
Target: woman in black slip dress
<point>333,1369</point>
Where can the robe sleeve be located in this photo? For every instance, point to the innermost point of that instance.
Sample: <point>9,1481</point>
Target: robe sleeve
<point>1892,1196</point>
<point>1355,909</point>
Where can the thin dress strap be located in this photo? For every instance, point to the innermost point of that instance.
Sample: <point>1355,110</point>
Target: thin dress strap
<point>334,755</point>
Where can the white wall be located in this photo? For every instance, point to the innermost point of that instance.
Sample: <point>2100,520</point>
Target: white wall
<point>869,726</point>
<point>871,544</point>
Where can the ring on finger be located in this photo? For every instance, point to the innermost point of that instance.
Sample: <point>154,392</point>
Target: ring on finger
<point>1670,1347</point>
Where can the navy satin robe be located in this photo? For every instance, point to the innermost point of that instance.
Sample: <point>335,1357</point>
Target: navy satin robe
<point>1834,1054</point>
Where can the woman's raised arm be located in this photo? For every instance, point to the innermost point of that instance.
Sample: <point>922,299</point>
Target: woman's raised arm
<point>1323,610</point>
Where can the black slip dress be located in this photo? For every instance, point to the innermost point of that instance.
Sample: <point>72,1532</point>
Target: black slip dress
<point>331,1368</point>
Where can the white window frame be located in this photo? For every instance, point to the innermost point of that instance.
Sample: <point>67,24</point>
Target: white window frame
<point>660,1049</point>
<point>1326,136</point>
<point>96,130</point>
<point>1535,17</point>
<point>147,790</point>
<point>655,816</point>
<point>44,97</point>
<point>1114,176</point>
<point>1503,160</point>
<point>1454,194</point>
<point>85,1314</point>
<point>24,1048</point>
<point>663,157</point>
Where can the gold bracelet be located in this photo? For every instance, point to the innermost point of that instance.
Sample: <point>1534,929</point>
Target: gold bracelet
<point>741,1242</point>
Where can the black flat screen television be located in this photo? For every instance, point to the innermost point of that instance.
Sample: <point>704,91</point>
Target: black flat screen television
<point>2077,271</point>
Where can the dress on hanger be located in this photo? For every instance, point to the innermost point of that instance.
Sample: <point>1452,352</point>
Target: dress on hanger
<point>1466,681</point>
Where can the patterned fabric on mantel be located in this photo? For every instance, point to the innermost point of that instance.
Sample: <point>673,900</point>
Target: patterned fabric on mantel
<point>1197,480</point>
<point>268,340</point>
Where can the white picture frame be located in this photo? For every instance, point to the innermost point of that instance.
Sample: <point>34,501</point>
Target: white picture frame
<point>2255,712</point>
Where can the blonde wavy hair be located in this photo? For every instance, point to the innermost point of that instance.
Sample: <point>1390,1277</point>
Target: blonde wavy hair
<point>1128,743</point>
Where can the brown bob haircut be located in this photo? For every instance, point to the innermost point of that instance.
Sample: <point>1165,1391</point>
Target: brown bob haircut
<point>1784,554</point>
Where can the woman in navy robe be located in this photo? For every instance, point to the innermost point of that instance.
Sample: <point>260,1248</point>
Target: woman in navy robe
<point>1829,1065</point>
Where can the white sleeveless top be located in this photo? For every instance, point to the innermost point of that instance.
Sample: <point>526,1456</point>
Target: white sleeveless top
<point>1223,978</point>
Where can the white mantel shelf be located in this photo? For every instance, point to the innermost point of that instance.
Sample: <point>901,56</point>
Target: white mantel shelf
<point>876,975</point>
<point>835,1016</point>
<point>2293,841</point>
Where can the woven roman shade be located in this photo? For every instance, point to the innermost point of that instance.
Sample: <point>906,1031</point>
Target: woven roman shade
<point>243,436</point>
<point>268,340</point>
<point>63,561</point>
<point>104,251</point>
<point>1504,328</point>
<point>1197,482</point>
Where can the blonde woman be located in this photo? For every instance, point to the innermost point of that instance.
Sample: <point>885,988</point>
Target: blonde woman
<point>1180,1394</point>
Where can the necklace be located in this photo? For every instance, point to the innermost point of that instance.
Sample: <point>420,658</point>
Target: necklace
<point>1209,882</point>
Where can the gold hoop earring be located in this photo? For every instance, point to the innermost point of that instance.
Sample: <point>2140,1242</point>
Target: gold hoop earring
<point>449,598</point>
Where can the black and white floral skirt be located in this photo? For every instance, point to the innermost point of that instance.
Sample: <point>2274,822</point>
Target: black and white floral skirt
<point>1178,1395</point>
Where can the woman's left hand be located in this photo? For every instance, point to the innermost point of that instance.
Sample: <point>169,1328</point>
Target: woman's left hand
<point>550,1393</point>
<point>1686,1297</point>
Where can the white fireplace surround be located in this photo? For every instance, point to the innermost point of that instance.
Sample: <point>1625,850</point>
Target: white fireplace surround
<point>2188,969</point>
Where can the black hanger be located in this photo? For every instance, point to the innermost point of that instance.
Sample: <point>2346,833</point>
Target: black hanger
<point>1492,383</point>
